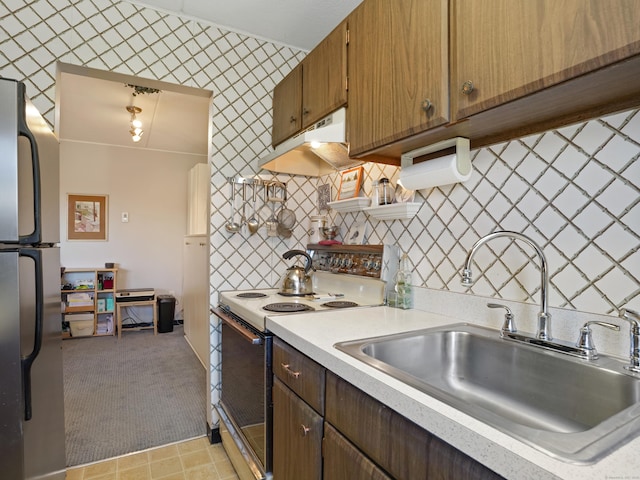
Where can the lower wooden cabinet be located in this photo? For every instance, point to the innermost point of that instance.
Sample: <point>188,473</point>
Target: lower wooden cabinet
<point>297,437</point>
<point>349,434</point>
<point>343,460</point>
<point>400,447</point>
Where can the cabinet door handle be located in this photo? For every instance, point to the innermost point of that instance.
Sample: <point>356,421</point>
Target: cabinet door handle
<point>467,87</point>
<point>304,430</point>
<point>290,372</point>
<point>292,119</point>
<point>305,111</point>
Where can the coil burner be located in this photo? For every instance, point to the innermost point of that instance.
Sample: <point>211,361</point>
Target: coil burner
<point>287,307</point>
<point>251,295</point>
<point>340,304</point>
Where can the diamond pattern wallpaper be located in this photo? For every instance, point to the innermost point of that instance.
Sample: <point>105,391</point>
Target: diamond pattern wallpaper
<point>574,190</point>
<point>120,37</point>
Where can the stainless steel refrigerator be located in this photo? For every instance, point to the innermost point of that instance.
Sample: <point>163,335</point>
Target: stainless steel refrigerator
<point>31,384</point>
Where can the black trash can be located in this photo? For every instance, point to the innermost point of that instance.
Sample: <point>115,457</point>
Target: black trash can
<point>166,311</point>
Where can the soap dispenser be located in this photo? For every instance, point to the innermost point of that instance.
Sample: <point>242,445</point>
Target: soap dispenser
<point>404,291</point>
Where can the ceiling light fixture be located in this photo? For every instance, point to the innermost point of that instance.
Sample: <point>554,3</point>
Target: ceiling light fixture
<point>136,125</point>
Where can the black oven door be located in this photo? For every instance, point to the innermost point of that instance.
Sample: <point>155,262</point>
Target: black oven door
<point>246,388</point>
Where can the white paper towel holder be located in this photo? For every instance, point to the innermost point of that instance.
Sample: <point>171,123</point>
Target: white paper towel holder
<point>462,152</point>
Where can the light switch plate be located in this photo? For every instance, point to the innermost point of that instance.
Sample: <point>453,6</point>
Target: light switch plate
<point>125,217</point>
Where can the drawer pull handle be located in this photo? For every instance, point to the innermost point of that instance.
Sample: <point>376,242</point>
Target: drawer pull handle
<point>290,372</point>
<point>304,430</point>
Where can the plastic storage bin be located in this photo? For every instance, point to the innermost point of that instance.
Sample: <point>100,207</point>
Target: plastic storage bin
<point>81,324</point>
<point>166,311</point>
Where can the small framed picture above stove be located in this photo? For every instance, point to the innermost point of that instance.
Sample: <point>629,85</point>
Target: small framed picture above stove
<point>350,182</point>
<point>357,234</point>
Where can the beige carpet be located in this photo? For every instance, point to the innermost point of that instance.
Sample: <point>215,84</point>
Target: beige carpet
<point>127,395</point>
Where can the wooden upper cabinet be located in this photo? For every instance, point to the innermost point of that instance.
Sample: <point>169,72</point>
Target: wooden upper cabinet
<point>508,49</point>
<point>287,101</point>
<point>314,89</point>
<point>324,77</point>
<point>398,64</point>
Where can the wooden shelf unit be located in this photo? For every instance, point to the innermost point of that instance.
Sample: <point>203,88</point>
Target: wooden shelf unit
<point>100,285</point>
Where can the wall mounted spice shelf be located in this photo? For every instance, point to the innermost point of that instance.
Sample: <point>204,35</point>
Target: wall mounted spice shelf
<point>350,205</point>
<point>394,211</point>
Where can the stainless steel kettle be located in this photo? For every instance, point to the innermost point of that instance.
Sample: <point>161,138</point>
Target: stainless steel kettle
<point>297,281</point>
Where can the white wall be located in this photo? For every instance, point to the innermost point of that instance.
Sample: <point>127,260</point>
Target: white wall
<point>152,187</point>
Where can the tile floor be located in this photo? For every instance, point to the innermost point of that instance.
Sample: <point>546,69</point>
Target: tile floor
<point>194,459</point>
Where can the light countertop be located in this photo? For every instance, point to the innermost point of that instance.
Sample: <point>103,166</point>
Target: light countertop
<point>315,333</point>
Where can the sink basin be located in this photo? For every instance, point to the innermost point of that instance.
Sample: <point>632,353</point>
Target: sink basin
<point>570,408</point>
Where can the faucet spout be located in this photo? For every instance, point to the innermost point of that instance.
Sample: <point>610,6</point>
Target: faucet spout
<point>544,317</point>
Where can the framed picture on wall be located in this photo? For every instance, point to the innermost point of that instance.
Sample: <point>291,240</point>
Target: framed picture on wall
<point>350,182</point>
<point>87,217</point>
<point>357,234</point>
<point>324,196</point>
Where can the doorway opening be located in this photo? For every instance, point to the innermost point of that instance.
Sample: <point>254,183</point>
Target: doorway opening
<point>146,185</point>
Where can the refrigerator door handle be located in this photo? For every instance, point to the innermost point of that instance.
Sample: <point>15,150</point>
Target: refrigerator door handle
<point>27,361</point>
<point>23,131</point>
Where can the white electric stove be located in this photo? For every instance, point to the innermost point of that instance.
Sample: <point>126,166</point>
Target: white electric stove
<point>330,291</point>
<point>345,278</point>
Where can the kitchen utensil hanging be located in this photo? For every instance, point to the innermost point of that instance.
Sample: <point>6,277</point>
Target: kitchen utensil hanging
<point>279,222</point>
<point>286,216</point>
<point>253,223</point>
<point>243,218</point>
<point>272,199</point>
<point>286,219</point>
<point>278,195</point>
<point>231,226</point>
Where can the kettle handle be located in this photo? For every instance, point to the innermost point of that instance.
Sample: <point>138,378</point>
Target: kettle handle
<point>292,253</point>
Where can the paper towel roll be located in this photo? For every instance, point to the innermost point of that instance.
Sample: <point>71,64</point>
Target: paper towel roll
<point>432,173</point>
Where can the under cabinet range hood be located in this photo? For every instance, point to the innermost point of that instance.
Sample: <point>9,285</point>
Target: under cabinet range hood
<point>319,150</point>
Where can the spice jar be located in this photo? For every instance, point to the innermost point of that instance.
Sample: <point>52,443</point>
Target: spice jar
<point>375,194</point>
<point>385,195</point>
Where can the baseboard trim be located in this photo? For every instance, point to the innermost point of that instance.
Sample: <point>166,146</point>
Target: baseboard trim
<point>213,435</point>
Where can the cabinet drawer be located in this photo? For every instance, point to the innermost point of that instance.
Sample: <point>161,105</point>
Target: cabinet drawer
<point>399,446</point>
<point>301,374</point>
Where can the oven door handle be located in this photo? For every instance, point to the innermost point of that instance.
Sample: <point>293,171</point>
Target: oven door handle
<point>238,327</point>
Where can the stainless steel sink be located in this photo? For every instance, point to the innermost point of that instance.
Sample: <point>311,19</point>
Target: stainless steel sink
<point>572,409</point>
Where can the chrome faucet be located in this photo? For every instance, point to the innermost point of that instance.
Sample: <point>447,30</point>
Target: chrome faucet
<point>544,317</point>
<point>633,318</point>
